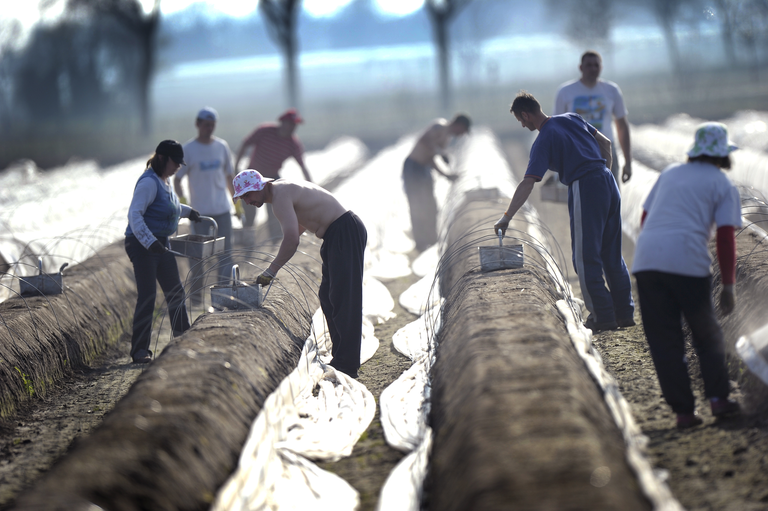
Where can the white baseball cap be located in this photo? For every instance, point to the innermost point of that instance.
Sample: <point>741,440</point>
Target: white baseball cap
<point>208,114</point>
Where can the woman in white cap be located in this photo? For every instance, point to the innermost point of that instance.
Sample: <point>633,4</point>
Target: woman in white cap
<point>672,267</point>
<point>153,216</point>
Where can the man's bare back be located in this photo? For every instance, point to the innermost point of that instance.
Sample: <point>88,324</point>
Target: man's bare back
<point>305,205</point>
<point>432,142</point>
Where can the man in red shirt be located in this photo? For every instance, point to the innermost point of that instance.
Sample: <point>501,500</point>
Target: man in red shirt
<point>272,145</point>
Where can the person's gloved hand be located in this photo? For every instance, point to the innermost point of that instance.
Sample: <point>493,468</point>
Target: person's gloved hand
<point>445,159</point>
<point>157,248</point>
<point>502,224</point>
<point>194,215</point>
<point>265,278</point>
<point>183,200</point>
<point>727,299</point>
<point>239,210</point>
<point>626,172</point>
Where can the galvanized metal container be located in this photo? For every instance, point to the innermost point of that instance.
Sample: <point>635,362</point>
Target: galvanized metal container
<point>43,283</point>
<point>501,257</point>
<point>236,296</point>
<point>196,245</point>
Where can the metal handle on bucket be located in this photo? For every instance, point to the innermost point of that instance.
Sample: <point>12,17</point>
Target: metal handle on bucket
<point>40,265</point>
<point>215,225</point>
<point>500,237</point>
<point>235,275</point>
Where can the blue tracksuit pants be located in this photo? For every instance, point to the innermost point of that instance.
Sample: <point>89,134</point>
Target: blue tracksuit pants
<point>594,205</point>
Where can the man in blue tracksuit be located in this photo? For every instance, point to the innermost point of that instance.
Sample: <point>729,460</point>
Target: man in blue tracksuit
<point>567,144</point>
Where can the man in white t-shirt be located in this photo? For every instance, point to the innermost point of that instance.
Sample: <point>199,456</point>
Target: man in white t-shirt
<point>209,174</point>
<point>598,102</point>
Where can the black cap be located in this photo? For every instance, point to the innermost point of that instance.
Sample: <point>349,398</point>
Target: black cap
<point>172,149</point>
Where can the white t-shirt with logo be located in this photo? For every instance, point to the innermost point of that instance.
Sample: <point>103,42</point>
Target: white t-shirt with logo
<point>208,168</point>
<point>598,105</point>
<point>684,206</point>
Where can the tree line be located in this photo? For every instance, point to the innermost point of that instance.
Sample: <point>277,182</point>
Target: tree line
<point>89,75</point>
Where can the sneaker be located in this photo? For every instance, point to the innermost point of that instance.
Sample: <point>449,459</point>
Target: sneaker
<point>688,420</point>
<point>722,406</point>
<point>624,323</point>
<point>599,327</point>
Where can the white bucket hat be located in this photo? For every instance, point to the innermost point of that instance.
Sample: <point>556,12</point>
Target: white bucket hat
<point>711,139</point>
<point>248,181</point>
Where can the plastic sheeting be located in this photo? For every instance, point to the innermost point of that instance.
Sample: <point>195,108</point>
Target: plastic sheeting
<point>385,213</point>
<point>753,350</point>
<point>660,147</point>
<point>316,413</point>
<point>651,483</point>
<point>44,214</point>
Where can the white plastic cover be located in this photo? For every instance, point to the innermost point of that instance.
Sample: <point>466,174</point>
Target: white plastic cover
<point>293,427</point>
<point>753,350</point>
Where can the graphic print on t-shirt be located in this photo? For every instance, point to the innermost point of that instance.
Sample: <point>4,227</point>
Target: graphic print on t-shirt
<point>592,109</point>
<point>208,166</point>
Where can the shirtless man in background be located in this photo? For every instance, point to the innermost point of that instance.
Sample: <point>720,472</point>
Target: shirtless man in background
<point>303,206</point>
<point>417,176</point>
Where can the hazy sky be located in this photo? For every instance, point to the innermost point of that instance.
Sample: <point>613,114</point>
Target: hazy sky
<point>313,7</point>
<point>28,13</point>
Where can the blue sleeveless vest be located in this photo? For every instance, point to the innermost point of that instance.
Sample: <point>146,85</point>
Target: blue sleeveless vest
<point>162,216</point>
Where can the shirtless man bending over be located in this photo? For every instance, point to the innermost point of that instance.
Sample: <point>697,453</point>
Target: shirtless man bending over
<point>303,206</point>
<point>417,176</point>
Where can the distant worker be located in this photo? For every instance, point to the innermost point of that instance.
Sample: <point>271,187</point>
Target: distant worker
<point>598,102</point>
<point>209,173</point>
<point>272,145</point>
<point>417,176</point>
<point>567,144</point>
<point>153,216</point>
<point>672,266</point>
<point>303,206</point>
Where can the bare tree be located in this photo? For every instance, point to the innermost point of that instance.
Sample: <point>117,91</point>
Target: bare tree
<point>745,22</point>
<point>725,15</point>
<point>441,13</point>
<point>667,12</point>
<point>130,15</point>
<point>10,30</point>
<point>588,22</point>
<point>281,18</point>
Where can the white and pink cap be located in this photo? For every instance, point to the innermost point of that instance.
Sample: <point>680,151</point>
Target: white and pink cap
<point>248,181</point>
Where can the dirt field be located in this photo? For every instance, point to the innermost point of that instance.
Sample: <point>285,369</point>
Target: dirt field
<point>721,465</point>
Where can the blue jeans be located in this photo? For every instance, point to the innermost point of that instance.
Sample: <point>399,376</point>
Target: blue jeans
<point>148,269</point>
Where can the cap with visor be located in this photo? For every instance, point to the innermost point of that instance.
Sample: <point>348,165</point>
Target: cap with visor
<point>171,149</point>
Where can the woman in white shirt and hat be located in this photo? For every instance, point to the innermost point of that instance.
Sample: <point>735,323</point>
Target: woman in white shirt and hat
<point>688,203</point>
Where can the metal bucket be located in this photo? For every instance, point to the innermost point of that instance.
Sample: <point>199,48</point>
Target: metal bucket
<point>198,246</point>
<point>43,283</point>
<point>237,296</point>
<point>501,257</point>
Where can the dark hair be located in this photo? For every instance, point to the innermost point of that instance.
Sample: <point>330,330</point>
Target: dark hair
<point>157,162</point>
<point>591,53</point>
<point>462,119</point>
<point>525,102</point>
<point>723,162</point>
